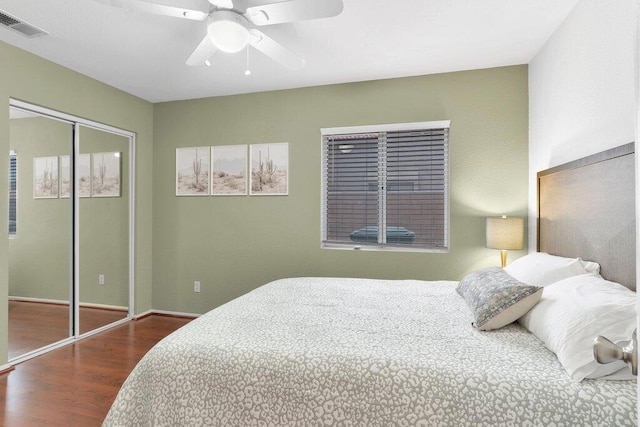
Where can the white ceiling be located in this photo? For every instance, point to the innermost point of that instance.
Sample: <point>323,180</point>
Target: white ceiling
<point>372,39</point>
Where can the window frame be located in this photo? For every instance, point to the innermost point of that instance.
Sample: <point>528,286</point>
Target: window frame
<point>325,132</point>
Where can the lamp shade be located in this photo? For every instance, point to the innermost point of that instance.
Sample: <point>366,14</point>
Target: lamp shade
<point>505,233</point>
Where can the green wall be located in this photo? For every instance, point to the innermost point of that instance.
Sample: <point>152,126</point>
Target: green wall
<point>235,244</point>
<point>29,78</point>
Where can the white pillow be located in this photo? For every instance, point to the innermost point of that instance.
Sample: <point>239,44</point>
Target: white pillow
<point>573,312</point>
<point>542,269</point>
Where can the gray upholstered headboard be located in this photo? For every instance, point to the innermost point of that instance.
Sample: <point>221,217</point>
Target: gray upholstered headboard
<point>586,209</point>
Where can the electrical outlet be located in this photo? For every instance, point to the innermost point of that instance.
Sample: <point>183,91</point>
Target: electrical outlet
<point>196,286</point>
<point>101,279</point>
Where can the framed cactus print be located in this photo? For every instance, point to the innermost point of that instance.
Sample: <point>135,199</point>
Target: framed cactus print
<point>106,174</point>
<point>83,170</point>
<point>65,177</point>
<point>269,169</point>
<point>45,177</point>
<point>193,165</point>
<point>229,170</point>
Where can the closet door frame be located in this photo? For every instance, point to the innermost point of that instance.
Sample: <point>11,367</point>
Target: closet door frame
<point>74,285</point>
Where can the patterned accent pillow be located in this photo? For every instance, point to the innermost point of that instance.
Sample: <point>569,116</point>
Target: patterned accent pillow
<point>495,298</point>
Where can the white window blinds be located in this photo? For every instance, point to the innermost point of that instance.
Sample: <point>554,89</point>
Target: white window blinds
<point>392,181</point>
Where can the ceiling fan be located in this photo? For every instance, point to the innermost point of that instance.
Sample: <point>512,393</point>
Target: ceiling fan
<point>231,26</point>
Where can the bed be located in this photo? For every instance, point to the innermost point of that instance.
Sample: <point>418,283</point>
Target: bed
<point>344,351</point>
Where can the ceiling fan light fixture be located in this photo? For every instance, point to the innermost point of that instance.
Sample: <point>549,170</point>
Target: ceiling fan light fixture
<point>228,31</point>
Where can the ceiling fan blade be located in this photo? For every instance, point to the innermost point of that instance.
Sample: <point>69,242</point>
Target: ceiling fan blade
<point>222,4</point>
<point>293,10</point>
<point>203,52</point>
<point>275,50</point>
<point>157,9</point>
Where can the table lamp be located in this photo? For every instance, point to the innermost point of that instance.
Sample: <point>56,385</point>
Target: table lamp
<point>505,234</point>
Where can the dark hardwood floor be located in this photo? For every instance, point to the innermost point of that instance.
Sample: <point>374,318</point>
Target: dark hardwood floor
<point>33,325</point>
<point>75,385</point>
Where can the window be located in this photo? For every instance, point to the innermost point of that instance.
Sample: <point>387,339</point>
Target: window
<point>13,190</point>
<point>392,178</point>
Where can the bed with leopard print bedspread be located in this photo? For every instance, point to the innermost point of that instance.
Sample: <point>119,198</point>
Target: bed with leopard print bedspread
<point>358,352</point>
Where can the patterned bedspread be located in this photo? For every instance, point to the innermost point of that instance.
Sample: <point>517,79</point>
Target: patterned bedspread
<point>330,351</point>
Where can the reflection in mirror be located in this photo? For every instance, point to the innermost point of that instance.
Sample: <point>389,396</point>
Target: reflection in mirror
<point>103,174</point>
<point>39,233</point>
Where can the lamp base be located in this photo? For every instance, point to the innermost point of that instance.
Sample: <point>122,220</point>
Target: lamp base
<point>503,258</point>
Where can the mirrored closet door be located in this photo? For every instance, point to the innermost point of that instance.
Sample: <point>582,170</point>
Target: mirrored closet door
<point>40,212</point>
<point>70,229</point>
<point>103,173</point>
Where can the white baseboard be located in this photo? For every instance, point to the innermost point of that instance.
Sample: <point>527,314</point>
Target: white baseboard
<point>143,314</point>
<point>7,367</point>
<point>62,302</point>
<point>168,313</point>
<point>106,307</point>
<point>40,300</point>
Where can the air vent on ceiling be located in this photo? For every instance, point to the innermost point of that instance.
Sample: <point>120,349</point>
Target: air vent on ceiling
<point>22,27</point>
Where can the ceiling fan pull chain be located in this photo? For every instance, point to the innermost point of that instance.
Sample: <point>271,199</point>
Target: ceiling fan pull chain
<point>247,71</point>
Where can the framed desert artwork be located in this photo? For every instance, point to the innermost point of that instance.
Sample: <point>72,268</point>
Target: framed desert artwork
<point>269,169</point>
<point>229,170</point>
<point>192,171</point>
<point>45,177</point>
<point>106,174</point>
<point>65,177</point>
<point>83,170</point>
<point>84,175</point>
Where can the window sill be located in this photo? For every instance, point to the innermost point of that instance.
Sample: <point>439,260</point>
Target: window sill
<point>348,247</point>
